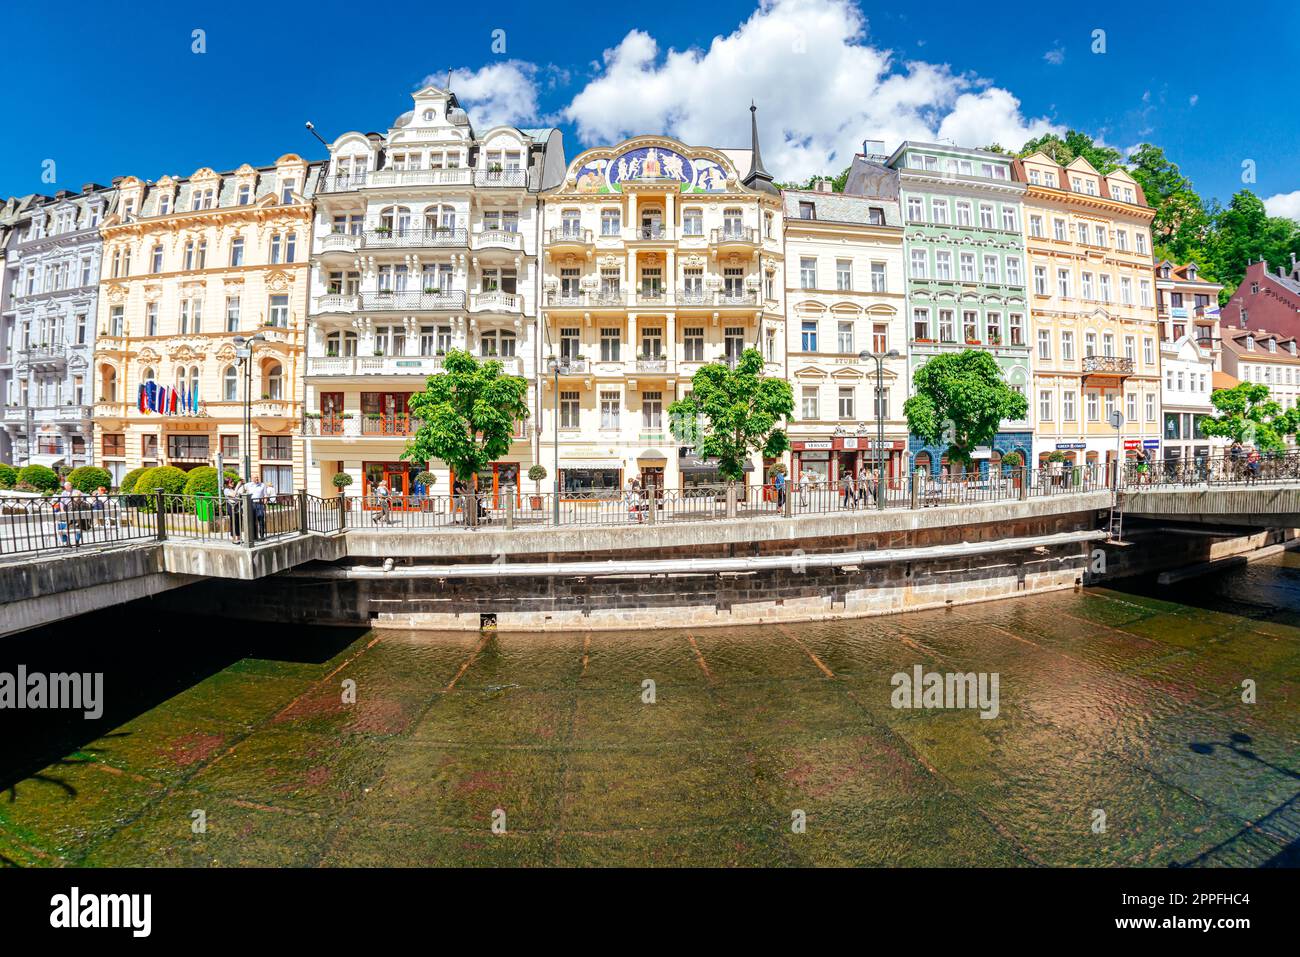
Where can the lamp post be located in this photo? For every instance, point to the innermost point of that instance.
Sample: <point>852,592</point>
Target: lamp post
<point>556,366</point>
<point>879,360</point>
<point>244,353</point>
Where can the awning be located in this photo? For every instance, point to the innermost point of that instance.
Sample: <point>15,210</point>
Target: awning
<point>652,455</point>
<point>591,464</point>
<point>48,460</point>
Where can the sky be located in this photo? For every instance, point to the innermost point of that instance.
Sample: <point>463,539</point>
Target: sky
<point>91,96</point>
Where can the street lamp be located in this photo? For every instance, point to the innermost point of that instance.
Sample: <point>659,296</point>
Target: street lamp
<point>879,360</point>
<point>244,353</point>
<point>555,367</point>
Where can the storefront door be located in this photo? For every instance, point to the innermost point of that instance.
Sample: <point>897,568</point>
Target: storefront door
<point>398,476</point>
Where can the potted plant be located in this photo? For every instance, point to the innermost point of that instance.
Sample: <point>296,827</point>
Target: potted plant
<point>378,352</point>
<point>341,481</point>
<point>383,230</point>
<point>428,480</point>
<point>536,474</point>
<point>1013,461</point>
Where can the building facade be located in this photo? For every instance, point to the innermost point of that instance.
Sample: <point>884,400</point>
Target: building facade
<point>47,324</point>
<point>1267,358</point>
<point>845,295</point>
<point>1093,309</point>
<point>190,264</point>
<point>427,239</point>
<point>965,259</point>
<point>1187,308</point>
<point>660,257</point>
<point>1266,300</point>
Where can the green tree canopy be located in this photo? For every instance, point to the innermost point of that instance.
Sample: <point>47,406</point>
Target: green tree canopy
<point>468,414</point>
<point>1104,159</point>
<point>739,411</point>
<point>1244,232</point>
<point>1248,414</point>
<point>960,400</point>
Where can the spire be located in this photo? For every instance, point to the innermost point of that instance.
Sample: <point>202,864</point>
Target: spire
<point>757,178</point>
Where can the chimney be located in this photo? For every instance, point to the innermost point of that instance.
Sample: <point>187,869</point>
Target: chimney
<point>824,185</point>
<point>874,149</point>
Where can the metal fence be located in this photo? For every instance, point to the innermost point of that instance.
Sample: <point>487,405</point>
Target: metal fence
<point>62,523</point>
<point>1226,469</point>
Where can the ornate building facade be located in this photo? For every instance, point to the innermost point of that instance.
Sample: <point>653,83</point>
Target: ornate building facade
<point>660,257</point>
<point>190,264</point>
<point>427,239</point>
<point>845,295</point>
<point>1094,315</point>
<point>965,259</point>
<point>47,326</point>
<point>1187,308</point>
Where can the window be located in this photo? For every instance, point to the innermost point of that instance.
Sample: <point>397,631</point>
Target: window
<point>877,277</point>
<point>278,447</point>
<point>993,325</point>
<point>1045,405</point>
<point>610,340</point>
<point>1044,344</point>
<point>188,446</point>
<point>809,401</point>
<point>1067,406</point>
<point>967,267</point>
<point>692,343</point>
<point>230,385</point>
<point>939,210</point>
<point>942,264</point>
<point>1149,351</point>
<point>1144,295</point>
<point>156,260</point>
<point>919,264</point>
<point>1150,407</point>
<point>114,445</point>
<point>1131,406</point>
<point>1015,324</point>
<point>809,335</point>
<point>1130,348</point>
<point>115,320</point>
<point>652,410</point>
<point>915,209</point>
<point>1126,291</point>
<point>1087,285</point>
<point>1090,343</point>
<point>1036,226</point>
<point>808,272</point>
<point>1108,344</point>
<point>1013,270</point>
<point>1110,405</point>
<point>230,447</point>
<point>986,215</point>
<point>845,405</point>
<point>1121,240</point>
<point>970,326</point>
<point>964,216</point>
<point>808,210</point>
<point>991,274</point>
<point>1141,243</point>
<point>1099,233</point>
<point>278,313</point>
<point>1040,280</point>
<point>1063,283</point>
<point>611,405</point>
<point>844,274</point>
<point>286,191</point>
<point>947,330</point>
<point>921,323</point>
<point>1093,411</point>
<point>245,195</point>
<point>1058,229</point>
<point>1009,219</point>
<point>232,314</point>
<point>237,251</point>
<point>1067,346</point>
<point>1104,281</point>
<point>569,410</point>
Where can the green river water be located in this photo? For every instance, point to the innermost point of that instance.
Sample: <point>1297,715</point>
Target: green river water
<point>1122,704</point>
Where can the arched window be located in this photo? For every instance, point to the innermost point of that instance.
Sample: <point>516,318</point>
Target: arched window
<point>194,379</point>
<point>922,462</point>
<point>108,383</point>
<point>395,218</point>
<point>274,382</point>
<point>230,385</point>
<point>147,376</point>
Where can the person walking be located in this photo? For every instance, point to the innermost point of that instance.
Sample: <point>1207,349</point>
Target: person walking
<point>382,503</point>
<point>62,506</point>
<point>632,499</point>
<point>848,493</point>
<point>1253,463</point>
<point>778,484</point>
<point>864,486</point>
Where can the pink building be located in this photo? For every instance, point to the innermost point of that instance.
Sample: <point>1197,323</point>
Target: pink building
<point>1266,301</point>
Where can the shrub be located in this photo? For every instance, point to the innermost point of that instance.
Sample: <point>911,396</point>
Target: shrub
<point>88,478</point>
<point>203,481</point>
<point>39,477</point>
<point>537,473</point>
<point>1013,460</point>
<point>427,479</point>
<point>341,480</point>
<point>1056,456</point>
<point>129,480</point>
<point>777,468</point>
<point>166,477</point>
<point>8,475</point>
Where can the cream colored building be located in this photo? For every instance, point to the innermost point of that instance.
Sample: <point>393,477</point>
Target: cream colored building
<point>846,294</point>
<point>659,257</point>
<point>1095,339</point>
<point>188,265</point>
<point>427,239</point>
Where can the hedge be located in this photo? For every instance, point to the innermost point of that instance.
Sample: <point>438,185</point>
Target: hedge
<point>39,477</point>
<point>8,476</point>
<point>203,480</point>
<point>129,480</point>
<point>166,477</point>
<point>89,478</point>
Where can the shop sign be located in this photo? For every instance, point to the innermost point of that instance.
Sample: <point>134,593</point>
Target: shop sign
<point>814,445</point>
<point>1071,446</point>
<point>1132,443</point>
<point>1151,443</point>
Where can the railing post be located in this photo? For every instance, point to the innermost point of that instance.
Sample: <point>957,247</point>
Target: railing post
<point>650,502</point>
<point>343,509</point>
<point>510,508</point>
<point>302,511</point>
<point>158,504</point>
<point>246,508</point>
<point>787,507</point>
<point>731,499</point>
<point>914,489</point>
<point>1026,476</point>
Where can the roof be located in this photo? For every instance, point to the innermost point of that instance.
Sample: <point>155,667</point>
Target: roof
<point>1018,173</point>
<point>839,208</point>
<point>1221,380</point>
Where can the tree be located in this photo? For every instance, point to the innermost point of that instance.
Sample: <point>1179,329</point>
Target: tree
<point>739,409</point>
<point>468,414</point>
<point>960,400</point>
<point>40,477</point>
<point>1245,233</point>
<point>1181,226</point>
<point>837,182</point>
<point>1104,159</point>
<point>90,478</point>
<point>1249,415</point>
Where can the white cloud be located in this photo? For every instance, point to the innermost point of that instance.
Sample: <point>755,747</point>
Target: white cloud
<point>1284,204</point>
<point>1055,56</point>
<point>499,93</point>
<point>820,86</point>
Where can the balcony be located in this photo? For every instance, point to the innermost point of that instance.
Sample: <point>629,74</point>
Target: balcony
<point>499,239</point>
<point>390,301</point>
<point>501,179</point>
<point>510,365</point>
<point>652,233</point>
<point>495,300</point>
<point>331,425</point>
<point>385,237</point>
<point>575,367</point>
<point>345,183</point>
<point>373,365</point>
<point>652,364</point>
<point>652,297</point>
<point>50,357</point>
<point>1107,366</point>
<point>734,237</point>
<point>336,302</point>
<point>375,423</point>
<point>568,239</point>
<point>720,297</point>
<point>340,242</point>
<point>558,299</point>
<point>420,177</point>
<point>271,408</point>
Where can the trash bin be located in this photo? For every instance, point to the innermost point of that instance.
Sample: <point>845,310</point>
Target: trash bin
<point>205,507</point>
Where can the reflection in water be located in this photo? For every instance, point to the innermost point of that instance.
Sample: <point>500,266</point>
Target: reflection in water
<point>1121,738</point>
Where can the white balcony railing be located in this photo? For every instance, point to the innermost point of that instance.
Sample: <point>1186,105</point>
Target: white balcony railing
<point>498,238</point>
<point>497,301</point>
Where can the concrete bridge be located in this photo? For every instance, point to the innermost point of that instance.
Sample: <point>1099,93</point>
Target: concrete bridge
<point>1261,505</point>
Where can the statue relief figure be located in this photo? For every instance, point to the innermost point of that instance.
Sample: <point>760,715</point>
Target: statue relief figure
<point>652,168</point>
<point>673,166</point>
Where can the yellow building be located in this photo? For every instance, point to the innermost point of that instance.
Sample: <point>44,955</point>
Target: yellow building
<point>1095,337</point>
<point>189,266</point>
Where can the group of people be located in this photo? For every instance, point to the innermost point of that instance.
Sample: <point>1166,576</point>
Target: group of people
<point>860,488</point>
<point>1246,461</point>
<point>77,513</point>
<point>259,493</point>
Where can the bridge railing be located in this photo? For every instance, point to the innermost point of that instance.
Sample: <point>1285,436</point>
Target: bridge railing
<point>38,525</point>
<point>1218,470</point>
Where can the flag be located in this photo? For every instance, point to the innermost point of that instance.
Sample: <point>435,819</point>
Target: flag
<point>194,399</point>
<point>139,397</point>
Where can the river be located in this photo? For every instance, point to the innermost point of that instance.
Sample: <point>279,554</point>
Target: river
<point>1120,738</point>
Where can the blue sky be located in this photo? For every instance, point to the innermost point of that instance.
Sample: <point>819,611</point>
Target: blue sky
<point>115,95</point>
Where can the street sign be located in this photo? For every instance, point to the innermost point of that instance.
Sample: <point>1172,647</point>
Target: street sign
<point>1117,420</point>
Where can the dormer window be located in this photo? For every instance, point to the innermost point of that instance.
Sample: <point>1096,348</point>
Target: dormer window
<point>1250,343</point>
<point>286,191</point>
<point>1164,272</point>
<point>164,204</point>
<point>1191,273</point>
<point>429,115</point>
<point>1290,347</point>
<point>1272,345</point>
<point>245,195</point>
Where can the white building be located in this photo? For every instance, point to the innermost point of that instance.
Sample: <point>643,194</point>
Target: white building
<point>426,239</point>
<point>1187,307</point>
